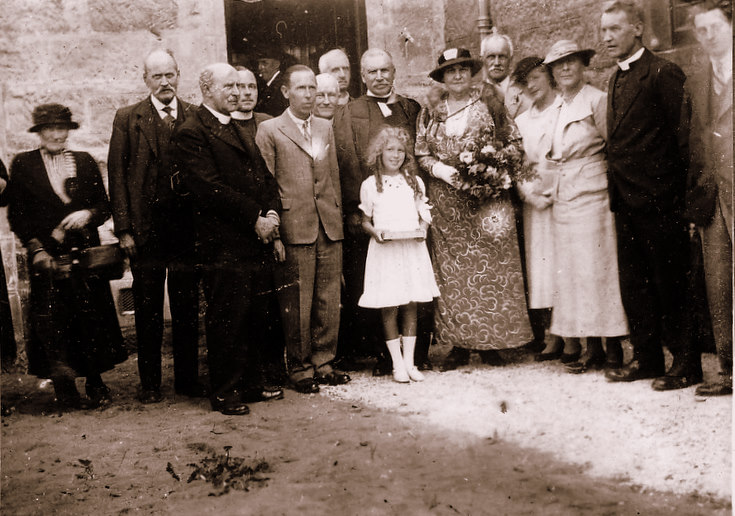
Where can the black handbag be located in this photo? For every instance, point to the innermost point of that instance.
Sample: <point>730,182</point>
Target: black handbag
<point>102,261</point>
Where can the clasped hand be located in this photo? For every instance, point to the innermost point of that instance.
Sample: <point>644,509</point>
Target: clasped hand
<point>267,229</point>
<point>76,220</point>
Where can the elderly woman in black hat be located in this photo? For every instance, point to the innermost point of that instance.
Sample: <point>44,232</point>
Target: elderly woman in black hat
<point>474,244</point>
<point>57,202</point>
<point>586,301</point>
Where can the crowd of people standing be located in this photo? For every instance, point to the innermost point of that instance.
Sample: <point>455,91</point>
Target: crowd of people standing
<point>325,227</point>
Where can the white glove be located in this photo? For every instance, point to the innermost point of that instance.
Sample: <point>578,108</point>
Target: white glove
<point>539,201</point>
<point>446,173</point>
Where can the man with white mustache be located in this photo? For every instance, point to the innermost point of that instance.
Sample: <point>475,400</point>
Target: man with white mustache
<point>153,223</point>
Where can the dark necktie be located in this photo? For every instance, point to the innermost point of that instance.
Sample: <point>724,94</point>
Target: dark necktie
<point>168,118</point>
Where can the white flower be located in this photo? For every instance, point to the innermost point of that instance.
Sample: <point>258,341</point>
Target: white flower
<point>476,168</point>
<point>466,157</point>
<point>488,149</point>
<point>507,182</point>
<point>492,171</point>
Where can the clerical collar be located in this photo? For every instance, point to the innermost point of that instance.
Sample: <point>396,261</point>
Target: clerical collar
<point>160,105</point>
<point>241,115</point>
<point>223,119</point>
<point>382,99</point>
<point>298,121</point>
<point>273,78</point>
<point>625,64</point>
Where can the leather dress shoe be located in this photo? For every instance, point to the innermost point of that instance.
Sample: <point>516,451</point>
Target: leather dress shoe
<point>424,365</point>
<point>266,393</point>
<point>306,386</point>
<point>148,396</point>
<point>634,370</point>
<point>544,357</point>
<point>684,372</point>
<point>333,378</point>
<point>491,357</point>
<point>586,362</point>
<point>568,358</point>
<point>230,404</point>
<point>670,383</point>
<point>383,367</point>
<point>721,388</point>
<point>457,357</point>
<point>534,346</point>
<point>99,395</point>
<point>195,390</point>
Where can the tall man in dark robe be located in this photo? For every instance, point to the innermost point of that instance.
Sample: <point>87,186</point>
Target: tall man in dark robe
<point>236,219</point>
<point>647,160</point>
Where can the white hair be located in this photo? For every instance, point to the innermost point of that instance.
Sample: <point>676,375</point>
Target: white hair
<point>324,59</point>
<point>485,43</point>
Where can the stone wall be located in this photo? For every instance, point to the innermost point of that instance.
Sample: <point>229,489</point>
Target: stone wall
<point>533,25</point>
<point>87,54</point>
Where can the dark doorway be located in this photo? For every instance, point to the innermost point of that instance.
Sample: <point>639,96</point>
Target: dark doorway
<point>304,29</point>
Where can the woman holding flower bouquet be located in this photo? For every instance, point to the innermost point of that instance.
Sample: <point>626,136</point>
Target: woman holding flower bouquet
<point>586,298</point>
<point>472,153</point>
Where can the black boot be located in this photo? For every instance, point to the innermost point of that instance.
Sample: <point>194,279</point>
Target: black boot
<point>613,353</point>
<point>457,357</point>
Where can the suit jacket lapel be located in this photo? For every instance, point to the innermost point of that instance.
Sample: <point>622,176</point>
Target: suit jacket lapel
<point>638,72</point>
<point>293,133</point>
<point>726,103</point>
<point>226,133</point>
<point>145,114</point>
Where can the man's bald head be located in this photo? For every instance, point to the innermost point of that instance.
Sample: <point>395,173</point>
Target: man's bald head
<point>161,74</point>
<point>218,83</point>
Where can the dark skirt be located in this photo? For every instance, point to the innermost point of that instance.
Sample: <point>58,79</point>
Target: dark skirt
<point>75,329</point>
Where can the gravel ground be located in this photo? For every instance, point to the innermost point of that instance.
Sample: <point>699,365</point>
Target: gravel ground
<point>667,441</point>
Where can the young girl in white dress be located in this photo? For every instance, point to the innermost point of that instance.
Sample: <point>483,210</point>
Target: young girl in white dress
<point>398,272</point>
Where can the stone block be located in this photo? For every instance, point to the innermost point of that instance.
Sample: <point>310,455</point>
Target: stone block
<point>126,15</point>
<point>33,17</point>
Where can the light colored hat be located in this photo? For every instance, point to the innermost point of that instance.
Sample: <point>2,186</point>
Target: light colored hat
<point>565,48</point>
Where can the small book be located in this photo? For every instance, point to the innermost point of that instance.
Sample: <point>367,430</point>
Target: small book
<point>403,235</point>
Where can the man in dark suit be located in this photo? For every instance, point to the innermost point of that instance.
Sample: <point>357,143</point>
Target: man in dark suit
<point>236,218</point>
<point>647,161</point>
<point>355,125</point>
<point>246,122</point>
<point>271,63</point>
<point>153,223</point>
<point>709,192</point>
<point>299,151</point>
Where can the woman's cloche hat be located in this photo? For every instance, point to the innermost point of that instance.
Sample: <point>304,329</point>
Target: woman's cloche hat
<point>451,57</point>
<point>565,48</point>
<point>52,114</point>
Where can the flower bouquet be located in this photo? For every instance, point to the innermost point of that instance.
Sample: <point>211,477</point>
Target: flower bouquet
<point>486,168</point>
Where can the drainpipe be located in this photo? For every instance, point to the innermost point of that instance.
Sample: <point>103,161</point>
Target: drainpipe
<point>484,21</point>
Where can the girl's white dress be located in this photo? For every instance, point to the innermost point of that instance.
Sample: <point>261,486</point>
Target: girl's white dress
<point>397,272</point>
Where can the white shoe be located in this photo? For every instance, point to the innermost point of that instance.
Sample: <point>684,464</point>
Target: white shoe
<point>401,375</point>
<point>415,374</point>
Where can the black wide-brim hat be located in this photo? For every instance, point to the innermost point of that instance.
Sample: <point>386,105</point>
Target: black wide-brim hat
<point>51,114</point>
<point>451,57</point>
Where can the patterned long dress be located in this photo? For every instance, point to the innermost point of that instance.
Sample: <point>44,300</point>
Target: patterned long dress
<point>474,246</point>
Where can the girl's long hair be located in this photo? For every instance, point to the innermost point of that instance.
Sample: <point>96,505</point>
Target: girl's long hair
<point>375,157</point>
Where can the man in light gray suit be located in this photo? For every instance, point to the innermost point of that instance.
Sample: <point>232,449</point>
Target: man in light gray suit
<point>299,151</point>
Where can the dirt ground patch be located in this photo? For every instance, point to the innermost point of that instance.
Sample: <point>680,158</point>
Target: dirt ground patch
<point>324,456</point>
